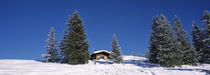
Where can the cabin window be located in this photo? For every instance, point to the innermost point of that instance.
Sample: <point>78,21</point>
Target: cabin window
<point>101,57</point>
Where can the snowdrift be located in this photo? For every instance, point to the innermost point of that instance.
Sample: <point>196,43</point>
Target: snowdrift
<point>129,66</point>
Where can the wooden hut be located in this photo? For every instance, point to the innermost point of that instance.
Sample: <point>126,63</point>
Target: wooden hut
<point>100,54</point>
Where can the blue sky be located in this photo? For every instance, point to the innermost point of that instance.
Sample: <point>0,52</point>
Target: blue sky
<point>24,24</point>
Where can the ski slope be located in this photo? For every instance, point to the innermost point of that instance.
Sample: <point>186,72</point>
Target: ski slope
<point>130,66</point>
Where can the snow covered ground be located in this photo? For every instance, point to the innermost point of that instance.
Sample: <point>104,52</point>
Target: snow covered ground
<point>130,66</point>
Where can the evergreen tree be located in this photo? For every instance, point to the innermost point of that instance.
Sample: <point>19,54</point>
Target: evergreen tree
<point>116,55</point>
<point>153,43</point>
<point>165,45</point>
<point>133,54</point>
<point>206,40</point>
<point>184,50</point>
<point>52,51</point>
<point>74,46</point>
<point>179,37</point>
<point>190,55</point>
<point>162,43</point>
<point>197,38</point>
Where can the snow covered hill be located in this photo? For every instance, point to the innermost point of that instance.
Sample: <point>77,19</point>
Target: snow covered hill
<point>130,66</point>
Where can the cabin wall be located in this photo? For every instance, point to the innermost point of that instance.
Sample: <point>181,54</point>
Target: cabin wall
<point>99,55</point>
<point>96,56</point>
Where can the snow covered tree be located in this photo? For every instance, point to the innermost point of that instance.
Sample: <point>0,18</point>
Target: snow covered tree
<point>170,46</point>
<point>162,48</point>
<point>190,55</point>
<point>165,45</point>
<point>179,36</point>
<point>116,55</point>
<point>152,55</point>
<point>74,46</point>
<point>184,50</point>
<point>197,38</point>
<point>52,51</point>
<point>133,54</point>
<point>206,40</point>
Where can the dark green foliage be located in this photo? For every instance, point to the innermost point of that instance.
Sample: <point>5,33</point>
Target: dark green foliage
<point>116,55</point>
<point>161,43</point>
<point>153,43</point>
<point>197,38</point>
<point>74,46</point>
<point>133,54</point>
<point>52,51</point>
<point>190,55</point>
<point>170,46</point>
<point>206,40</point>
<point>184,50</point>
<point>165,43</point>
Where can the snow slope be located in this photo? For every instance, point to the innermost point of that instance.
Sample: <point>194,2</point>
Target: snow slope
<point>130,66</point>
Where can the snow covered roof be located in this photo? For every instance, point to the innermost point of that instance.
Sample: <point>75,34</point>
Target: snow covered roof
<point>98,51</point>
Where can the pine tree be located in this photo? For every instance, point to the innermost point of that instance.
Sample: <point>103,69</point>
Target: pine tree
<point>179,36</point>
<point>165,45</point>
<point>52,51</point>
<point>206,40</point>
<point>162,42</point>
<point>133,54</point>
<point>184,49</point>
<point>116,55</point>
<point>190,55</point>
<point>74,46</point>
<point>197,38</point>
<point>153,43</point>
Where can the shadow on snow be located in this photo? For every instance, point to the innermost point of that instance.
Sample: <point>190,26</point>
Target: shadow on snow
<point>147,64</point>
<point>140,63</point>
<point>200,70</point>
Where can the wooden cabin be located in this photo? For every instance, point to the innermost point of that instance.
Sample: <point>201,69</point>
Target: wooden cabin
<point>100,54</point>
